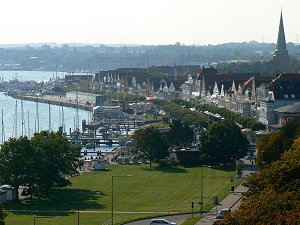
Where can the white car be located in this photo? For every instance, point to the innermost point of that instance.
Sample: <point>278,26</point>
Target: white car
<point>224,210</point>
<point>161,222</point>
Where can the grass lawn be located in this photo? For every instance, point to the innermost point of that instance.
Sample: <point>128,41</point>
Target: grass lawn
<point>192,220</point>
<point>156,190</point>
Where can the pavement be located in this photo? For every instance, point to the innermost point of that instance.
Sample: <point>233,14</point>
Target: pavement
<point>232,201</point>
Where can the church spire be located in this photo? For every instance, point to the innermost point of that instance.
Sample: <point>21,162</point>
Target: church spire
<point>281,53</point>
<point>281,44</point>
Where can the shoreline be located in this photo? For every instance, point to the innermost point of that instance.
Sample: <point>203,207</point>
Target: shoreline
<point>54,100</point>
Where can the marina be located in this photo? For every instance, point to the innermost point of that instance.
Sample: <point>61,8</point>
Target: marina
<point>32,108</point>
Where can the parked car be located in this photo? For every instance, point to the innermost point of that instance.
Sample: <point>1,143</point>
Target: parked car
<point>224,210</point>
<point>218,218</point>
<point>161,222</point>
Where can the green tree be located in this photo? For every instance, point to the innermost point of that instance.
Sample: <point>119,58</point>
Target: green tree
<point>16,162</point>
<point>223,142</point>
<point>180,134</point>
<point>57,160</point>
<point>3,214</point>
<point>151,143</point>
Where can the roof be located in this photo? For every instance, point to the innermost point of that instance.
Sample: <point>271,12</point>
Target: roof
<point>294,108</point>
<point>208,70</point>
<point>286,86</point>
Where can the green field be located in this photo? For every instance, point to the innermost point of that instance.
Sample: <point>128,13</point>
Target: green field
<point>146,192</point>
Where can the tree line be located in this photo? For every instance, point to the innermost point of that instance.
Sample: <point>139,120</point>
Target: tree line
<point>180,109</point>
<point>76,57</point>
<point>219,141</point>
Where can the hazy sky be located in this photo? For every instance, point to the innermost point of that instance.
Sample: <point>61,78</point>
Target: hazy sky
<point>189,22</point>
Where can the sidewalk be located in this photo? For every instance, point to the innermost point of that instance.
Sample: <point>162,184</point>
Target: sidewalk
<point>233,200</point>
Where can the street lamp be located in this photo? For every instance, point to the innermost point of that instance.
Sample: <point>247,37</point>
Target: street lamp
<point>41,217</point>
<point>202,199</point>
<point>201,181</point>
<point>112,195</point>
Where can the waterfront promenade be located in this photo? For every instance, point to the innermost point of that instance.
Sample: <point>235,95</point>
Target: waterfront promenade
<point>55,100</point>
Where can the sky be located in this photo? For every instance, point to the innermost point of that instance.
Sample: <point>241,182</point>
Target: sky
<point>190,22</point>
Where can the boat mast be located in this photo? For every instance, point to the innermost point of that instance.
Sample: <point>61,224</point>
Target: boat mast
<point>77,114</point>
<point>28,125</point>
<point>22,115</point>
<point>16,119</point>
<point>37,115</point>
<point>49,118</point>
<point>3,137</point>
<point>62,118</point>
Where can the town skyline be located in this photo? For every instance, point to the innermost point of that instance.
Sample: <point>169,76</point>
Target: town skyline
<point>128,22</point>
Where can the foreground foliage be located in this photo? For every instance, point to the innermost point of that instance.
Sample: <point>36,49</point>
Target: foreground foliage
<point>38,164</point>
<point>274,193</point>
<point>271,146</point>
<point>2,216</point>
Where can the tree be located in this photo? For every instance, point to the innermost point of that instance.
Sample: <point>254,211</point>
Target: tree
<point>274,194</point>
<point>57,160</point>
<point>223,142</point>
<point>180,134</point>
<point>16,156</point>
<point>273,145</point>
<point>151,143</point>
<point>3,214</point>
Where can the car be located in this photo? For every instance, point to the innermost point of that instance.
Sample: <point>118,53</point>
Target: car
<point>161,222</point>
<point>218,217</point>
<point>224,210</point>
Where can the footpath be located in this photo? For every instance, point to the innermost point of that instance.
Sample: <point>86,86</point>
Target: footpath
<point>233,200</point>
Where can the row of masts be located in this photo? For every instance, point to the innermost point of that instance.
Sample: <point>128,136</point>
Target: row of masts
<point>15,133</point>
<point>37,120</point>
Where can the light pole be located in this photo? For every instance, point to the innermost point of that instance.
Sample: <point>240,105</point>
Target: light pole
<point>202,199</point>
<point>201,182</point>
<point>112,195</point>
<point>41,217</point>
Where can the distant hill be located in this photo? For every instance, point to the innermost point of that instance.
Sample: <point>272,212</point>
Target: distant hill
<point>94,57</point>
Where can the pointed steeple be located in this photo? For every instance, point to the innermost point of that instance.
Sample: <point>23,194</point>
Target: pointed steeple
<point>281,53</point>
<point>281,44</point>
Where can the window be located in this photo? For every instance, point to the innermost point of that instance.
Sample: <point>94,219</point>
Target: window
<point>289,119</point>
<point>293,96</point>
<point>286,96</point>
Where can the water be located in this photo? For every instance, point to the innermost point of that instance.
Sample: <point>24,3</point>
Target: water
<point>12,117</point>
<point>30,75</point>
<point>30,126</point>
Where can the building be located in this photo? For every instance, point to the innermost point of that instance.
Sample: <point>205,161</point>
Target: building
<point>86,98</point>
<point>281,53</point>
<point>287,113</point>
<point>107,112</point>
<point>281,91</point>
<point>94,164</point>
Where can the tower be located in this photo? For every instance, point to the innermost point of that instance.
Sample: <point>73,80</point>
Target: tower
<point>281,53</point>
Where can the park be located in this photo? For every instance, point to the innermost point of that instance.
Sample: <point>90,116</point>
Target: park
<point>138,191</point>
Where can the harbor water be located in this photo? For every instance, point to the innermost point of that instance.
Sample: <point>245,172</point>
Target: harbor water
<point>27,117</point>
